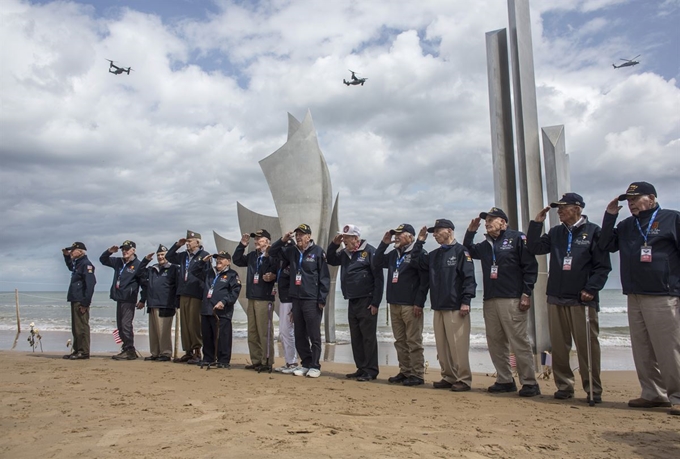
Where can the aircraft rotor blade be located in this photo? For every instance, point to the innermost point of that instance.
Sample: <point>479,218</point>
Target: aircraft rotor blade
<point>636,57</point>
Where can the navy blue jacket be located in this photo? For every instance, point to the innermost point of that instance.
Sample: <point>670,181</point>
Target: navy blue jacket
<point>161,284</point>
<point>517,267</point>
<point>359,277</point>
<point>189,285</point>
<point>411,286</point>
<point>262,290</point>
<point>661,276</point>
<point>283,280</point>
<point>225,289</point>
<point>126,278</point>
<point>81,287</point>
<point>311,264</point>
<point>451,275</point>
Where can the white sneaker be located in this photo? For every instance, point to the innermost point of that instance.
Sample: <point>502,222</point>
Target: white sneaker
<point>287,370</point>
<point>302,371</point>
<point>280,369</point>
<point>313,373</point>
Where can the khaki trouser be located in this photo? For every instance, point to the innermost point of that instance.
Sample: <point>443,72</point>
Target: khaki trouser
<point>566,322</point>
<point>452,336</point>
<point>506,328</point>
<point>160,334</point>
<point>408,335</point>
<point>260,332</point>
<point>80,327</point>
<point>190,319</point>
<point>654,323</point>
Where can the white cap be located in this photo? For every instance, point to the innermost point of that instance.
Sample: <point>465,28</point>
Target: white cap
<point>351,230</point>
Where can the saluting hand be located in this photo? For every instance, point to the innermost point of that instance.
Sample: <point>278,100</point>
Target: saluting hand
<point>613,207</point>
<point>422,235</point>
<point>540,217</point>
<point>245,239</point>
<point>288,236</point>
<point>149,256</point>
<point>207,258</point>
<point>182,241</point>
<point>113,249</point>
<point>66,252</point>
<point>387,238</point>
<point>474,224</point>
<point>337,240</point>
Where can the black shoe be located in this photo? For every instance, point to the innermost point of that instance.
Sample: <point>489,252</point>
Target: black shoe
<point>563,395</point>
<point>502,387</point>
<point>413,381</point>
<point>400,378</point>
<point>460,386</point>
<point>68,356</point>
<point>79,356</point>
<point>120,356</point>
<point>223,365</point>
<point>130,354</point>
<point>163,358</point>
<point>529,390</point>
<point>185,358</point>
<point>265,368</point>
<point>254,366</point>
<point>366,377</point>
<point>443,384</point>
<point>356,374</point>
<point>153,357</point>
<point>596,398</point>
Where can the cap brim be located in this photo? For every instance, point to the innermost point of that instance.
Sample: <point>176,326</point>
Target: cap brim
<point>483,215</point>
<point>559,203</point>
<point>431,230</point>
<point>217,255</point>
<point>125,247</point>
<point>623,197</point>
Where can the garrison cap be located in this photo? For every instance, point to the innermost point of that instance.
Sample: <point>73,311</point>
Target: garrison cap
<point>193,235</point>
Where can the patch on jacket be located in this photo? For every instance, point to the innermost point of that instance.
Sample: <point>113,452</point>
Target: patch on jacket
<point>311,257</point>
<point>506,245</point>
<point>451,261</point>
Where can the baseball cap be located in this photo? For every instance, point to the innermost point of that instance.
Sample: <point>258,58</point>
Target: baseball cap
<point>441,223</point>
<point>351,230</point>
<point>127,244</point>
<point>261,233</point>
<point>222,254</point>
<point>304,228</point>
<point>494,212</point>
<point>76,245</point>
<point>638,189</point>
<point>403,228</point>
<point>569,198</point>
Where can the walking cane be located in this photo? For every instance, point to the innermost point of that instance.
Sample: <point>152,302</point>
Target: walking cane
<point>269,335</point>
<point>175,355</point>
<point>591,401</point>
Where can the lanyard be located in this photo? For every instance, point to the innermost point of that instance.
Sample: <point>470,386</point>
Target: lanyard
<point>569,238</point>
<point>649,226</point>
<point>258,263</point>
<point>493,253</point>
<point>120,273</point>
<point>217,276</point>
<point>300,260</point>
<point>187,261</point>
<point>400,260</point>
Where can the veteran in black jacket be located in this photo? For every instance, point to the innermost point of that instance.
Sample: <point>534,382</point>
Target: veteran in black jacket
<point>406,293</point>
<point>510,272</point>
<point>362,284</point>
<point>80,291</point>
<point>124,291</point>
<point>221,287</point>
<point>648,243</point>
<point>161,282</point>
<point>452,286</point>
<point>578,271</point>
<point>309,285</point>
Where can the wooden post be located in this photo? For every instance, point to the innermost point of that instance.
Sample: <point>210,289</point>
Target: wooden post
<point>16,300</point>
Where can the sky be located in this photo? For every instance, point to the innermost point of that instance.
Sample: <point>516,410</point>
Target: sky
<point>89,156</point>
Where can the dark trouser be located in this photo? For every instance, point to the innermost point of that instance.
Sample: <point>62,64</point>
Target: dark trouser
<point>362,329</point>
<point>80,327</point>
<point>217,335</point>
<point>125,314</point>
<point>307,322</point>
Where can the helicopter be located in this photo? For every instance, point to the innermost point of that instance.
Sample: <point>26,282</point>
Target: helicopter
<point>628,63</point>
<point>354,80</point>
<point>118,70</point>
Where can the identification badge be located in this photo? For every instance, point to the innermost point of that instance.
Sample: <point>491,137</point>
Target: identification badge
<point>298,279</point>
<point>646,254</point>
<point>566,266</point>
<point>494,272</point>
<point>209,295</point>
<point>275,289</point>
<point>186,275</point>
<point>256,278</point>
<point>118,282</point>
<point>395,277</point>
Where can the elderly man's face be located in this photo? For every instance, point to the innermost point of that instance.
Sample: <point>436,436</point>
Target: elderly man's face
<point>221,263</point>
<point>494,225</point>
<point>128,252</point>
<point>160,256</point>
<point>402,239</point>
<point>569,213</point>
<point>302,239</point>
<point>75,253</point>
<point>192,244</point>
<point>261,243</point>
<point>637,204</point>
<point>443,235</point>
<point>351,242</point>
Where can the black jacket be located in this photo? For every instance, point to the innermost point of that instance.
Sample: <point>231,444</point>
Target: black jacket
<point>590,264</point>
<point>189,285</point>
<point>161,284</point>
<point>359,277</point>
<point>262,290</point>
<point>126,278</point>
<point>225,289</point>
<point>81,287</point>
<point>311,264</point>
<point>411,286</point>
<point>661,276</point>
<point>451,275</point>
<point>283,279</point>
<point>517,267</point>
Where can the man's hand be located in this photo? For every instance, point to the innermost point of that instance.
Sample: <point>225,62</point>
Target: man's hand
<point>182,241</point>
<point>207,258</point>
<point>140,305</point>
<point>422,235</point>
<point>245,239</point>
<point>66,252</point>
<point>524,303</point>
<point>540,217</point>
<point>387,238</point>
<point>268,277</point>
<point>417,311</point>
<point>321,306</point>
<point>288,236</point>
<point>474,224</point>
<point>585,296</point>
<point>82,309</point>
<point>219,305</point>
<point>149,256</point>
<point>113,249</point>
<point>374,309</point>
<point>337,240</point>
<point>613,207</point>
<point>464,310</point>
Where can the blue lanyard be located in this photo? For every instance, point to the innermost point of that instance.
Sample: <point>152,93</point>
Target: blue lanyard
<point>569,238</point>
<point>649,226</point>
<point>493,253</point>
<point>120,273</point>
<point>300,260</point>
<point>258,263</point>
<point>187,261</point>
<point>400,260</point>
<point>217,276</point>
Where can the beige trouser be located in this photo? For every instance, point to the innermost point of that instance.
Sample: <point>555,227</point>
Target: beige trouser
<point>452,336</point>
<point>160,334</point>
<point>260,332</point>
<point>190,320</point>
<point>654,323</point>
<point>506,327</point>
<point>566,322</point>
<point>408,334</point>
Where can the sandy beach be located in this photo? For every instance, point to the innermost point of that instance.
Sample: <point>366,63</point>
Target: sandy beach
<point>101,408</point>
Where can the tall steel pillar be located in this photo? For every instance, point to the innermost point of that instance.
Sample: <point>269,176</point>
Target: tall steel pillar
<point>557,173</point>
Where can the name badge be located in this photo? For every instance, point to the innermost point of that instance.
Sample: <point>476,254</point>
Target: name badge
<point>118,282</point>
<point>275,289</point>
<point>494,272</point>
<point>395,277</point>
<point>186,275</point>
<point>209,295</point>
<point>646,254</point>
<point>256,278</point>
<point>298,278</point>
<point>566,266</point>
